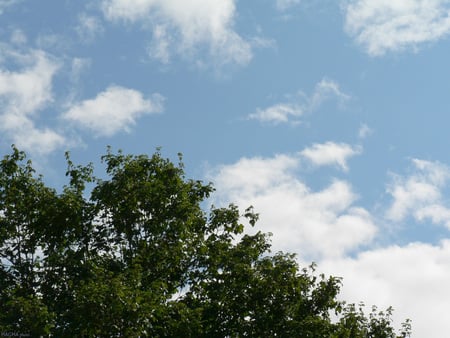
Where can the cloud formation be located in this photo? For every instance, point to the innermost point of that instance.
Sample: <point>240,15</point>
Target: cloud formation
<point>327,226</point>
<point>313,223</point>
<point>278,113</point>
<point>331,153</point>
<point>382,26</point>
<point>412,278</point>
<point>291,111</point>
<point>185,28</point>
<point>420,194</point>
<point>113,110</point>
<point>23,93</point>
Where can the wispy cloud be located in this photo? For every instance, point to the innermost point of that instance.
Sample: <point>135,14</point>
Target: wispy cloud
<point>160,47</point>
<point>278,113</point>
<point>325,90</point>
<point>316,223</point>
<point>78,66</point>
<point>18,37</point>
<point>113,110</point>
<point>185,28</point>
<point>89,27</point>
<point>364,131</point>
<point>283,5</point>
<point>381,26</point>
<point>290,111</point>
<point>331,153</point>
<point>4,4</point>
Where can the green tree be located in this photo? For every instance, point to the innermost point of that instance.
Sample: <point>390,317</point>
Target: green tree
<point>136,255</point>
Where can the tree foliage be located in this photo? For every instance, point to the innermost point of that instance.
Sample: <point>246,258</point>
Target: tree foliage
<point>135,255</point>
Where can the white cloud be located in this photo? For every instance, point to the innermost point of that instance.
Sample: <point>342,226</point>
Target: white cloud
<point>413,279</point>
<point>29,90</point>
<point>316,224</point>
<point>23,94</point>
<point>437,213</point>
<point>410,195</point>
<point>291,111</point>
<point>325,90</point>
<point>113,110</point>
<point>185,27</point>
<point>331,153</point>
<point>384,25</point>
<point>281,112</point>
<point>326,226</point>
<point>159,49</point>
<point>420,193</point>
<point>40,141</point>
<point>79,65</point>
<point>283,5</point>
<point>261,42</point>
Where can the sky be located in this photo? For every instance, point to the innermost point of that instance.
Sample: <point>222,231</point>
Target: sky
<point>330,117</point>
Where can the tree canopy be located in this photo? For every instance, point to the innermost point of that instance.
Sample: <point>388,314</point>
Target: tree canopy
<point>135,255</point>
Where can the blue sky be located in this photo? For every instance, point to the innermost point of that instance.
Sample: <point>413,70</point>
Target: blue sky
<point>330,117</point>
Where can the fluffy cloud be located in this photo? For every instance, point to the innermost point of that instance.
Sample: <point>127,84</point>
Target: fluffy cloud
<point>30,89</point>
<point>420,193</point>
<point>38,140</point>
<point>113,110</point>
<point>292,110</point>
<point>437,213</point>
<point>331,153</point>
<point>326,226</point>
<point>23,93</point>
<point>314,223</point>
<point>412,278</point>
<point>384,25</point>
<point>185,27</point>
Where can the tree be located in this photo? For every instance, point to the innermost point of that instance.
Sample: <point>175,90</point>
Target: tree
<point>136,255</point>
